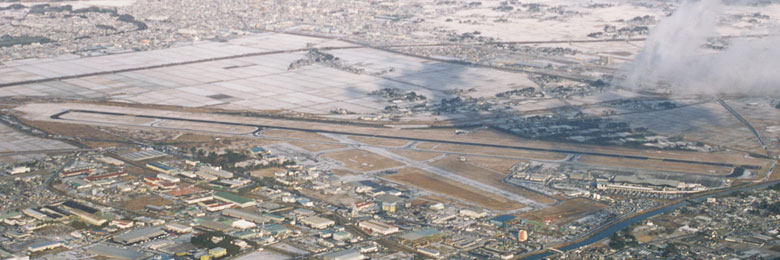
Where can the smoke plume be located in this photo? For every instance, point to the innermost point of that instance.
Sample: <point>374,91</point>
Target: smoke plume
<point>673,57</point>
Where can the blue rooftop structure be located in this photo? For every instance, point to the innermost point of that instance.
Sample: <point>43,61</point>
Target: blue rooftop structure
<point>257,149</point>
<point>501,220</point>
<point>161,166</point>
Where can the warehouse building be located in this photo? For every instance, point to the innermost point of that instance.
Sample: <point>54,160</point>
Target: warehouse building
<point>139,235</point>
<point>113,252</point>
<point>235,199</point>
<point>378,227</point>
<point>317,222</point>
<point>40,247</point>
<point>160,167</point>
<point>245,215</point>
<point>422,236</point>
<point>349,254</point>
<point>216,172</point>
<point>178,228</point>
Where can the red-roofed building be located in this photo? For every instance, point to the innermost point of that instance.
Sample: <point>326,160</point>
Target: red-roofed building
<point>106,176</point>
<point>75,172</point>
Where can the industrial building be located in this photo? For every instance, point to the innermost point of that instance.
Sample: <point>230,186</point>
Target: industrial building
<point>113,252</point>
<point>421,236</point>
<point>245,215</point>
<point>216,172</point>
<point>503,220</point>
<point>139,235</point>
<point>39,247</point>
<point>160,167</point>
<point>178,228</point>
<point>317,222</point>
<point>378,227</point>
<point>235,199</point>
<point>349,254</point>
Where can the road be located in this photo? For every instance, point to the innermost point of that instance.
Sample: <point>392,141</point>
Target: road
<point>747,124</point>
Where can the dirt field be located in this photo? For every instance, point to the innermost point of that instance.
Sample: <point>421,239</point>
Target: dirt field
<point>74,130</point>
<point>267,172</point>
<point>360,160</point>
<point>495,164</point>
<point>337,199</point>
<point>565,212</point>
<point>139,202</point>
<point>424,180</point>
<point>379,141</point>
<point>315,147</point>
<point>490,151</point>
<point>108,118</point>
<point>416,155</point>
<point>655,165</point>
<point>297,134</point>
<point>775,174</point>
<point>471,170</point>
<point>340,172</point>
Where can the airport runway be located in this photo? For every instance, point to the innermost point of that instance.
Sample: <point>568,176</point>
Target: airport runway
<point>515,147</point>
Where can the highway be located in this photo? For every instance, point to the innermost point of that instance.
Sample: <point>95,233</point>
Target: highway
<point>345,132</point>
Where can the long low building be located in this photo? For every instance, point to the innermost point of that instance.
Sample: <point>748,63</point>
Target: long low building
<point>317,222</point>
<point>45,246</point>
<point>139,235</point>
<point>216,172</point>
<point>160,167</point>
<point>235,199</point>
<point>245,215</point>
<point>113,252</point>
<point>178,228</point>
<point>378,227</point>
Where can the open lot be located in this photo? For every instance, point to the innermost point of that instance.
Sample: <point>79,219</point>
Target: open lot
<point>14,141</point>
<point>267,172</point>
<point>297,135</point>
<point>416,155</point>
<point>567,211</point>
<point>470,149</point>
<point>315,146</point>
<point>360,160</point>
<point>139,202</point>
<point>470,170</point>
<point>424,180</point>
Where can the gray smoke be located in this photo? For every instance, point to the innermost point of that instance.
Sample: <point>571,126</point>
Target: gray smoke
<point>673,57</point>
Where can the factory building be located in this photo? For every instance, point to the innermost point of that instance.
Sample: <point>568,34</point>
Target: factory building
<point>216,172</point>
<point>138,235</point>
<point>245,215</point>
<point>348,254</point>
<point>40,247</point>
<point>317,222</point>
<point>378,227</point>
<point>160,167</point>
<point>178,228</point>
<point>113,252</point>
<point>235,199</point>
